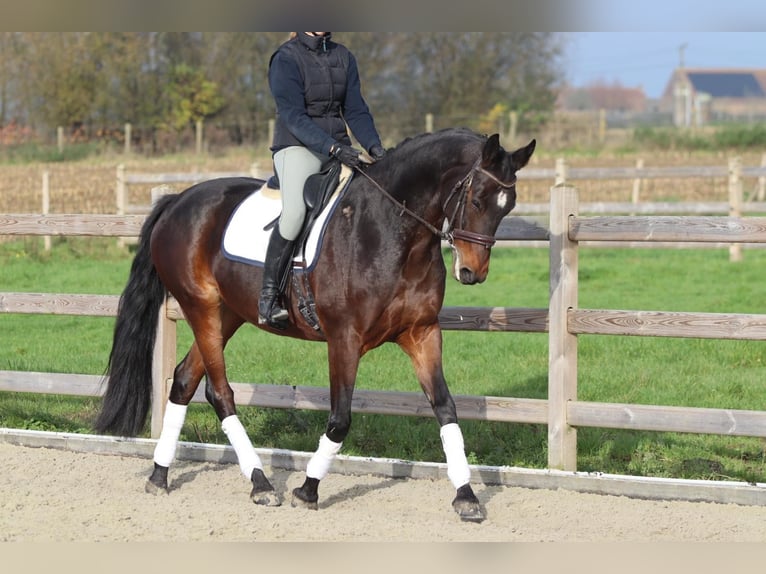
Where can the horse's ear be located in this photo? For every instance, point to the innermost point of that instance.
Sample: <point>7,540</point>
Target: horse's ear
<point>521,156</point>
<point>491,150</point>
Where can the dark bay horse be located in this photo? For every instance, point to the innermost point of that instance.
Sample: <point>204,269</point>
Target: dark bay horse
<point>380,277</point>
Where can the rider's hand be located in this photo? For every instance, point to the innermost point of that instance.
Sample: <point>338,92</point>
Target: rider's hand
<point>345,154</point>
<point>377,152</point>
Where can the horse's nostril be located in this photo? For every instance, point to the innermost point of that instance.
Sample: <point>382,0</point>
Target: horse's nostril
<point>467,277</point>
<point>470,277</point>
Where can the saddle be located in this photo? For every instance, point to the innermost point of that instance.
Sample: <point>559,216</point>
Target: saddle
<point>317,191</point>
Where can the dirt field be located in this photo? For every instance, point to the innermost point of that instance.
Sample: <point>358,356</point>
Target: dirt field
<point>51,495</point>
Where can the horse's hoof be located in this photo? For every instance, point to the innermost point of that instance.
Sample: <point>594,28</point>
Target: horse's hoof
<point>299,501</point>
<point>263,493</point>
<point>468,511</point>
<point>467,505</point>
<point>155,489</point>
<point>265,498</point>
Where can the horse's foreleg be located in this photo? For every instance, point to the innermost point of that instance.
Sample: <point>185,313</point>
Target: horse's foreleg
<point>424,346</point>
<point>343,369</point>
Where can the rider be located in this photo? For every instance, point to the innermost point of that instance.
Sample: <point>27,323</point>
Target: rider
<point>316,88</point>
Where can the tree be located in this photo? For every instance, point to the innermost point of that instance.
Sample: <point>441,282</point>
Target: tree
<point>190,97</point>
<point>10,49</point>
<point>152,79</point>
<point>238,63</point>
<point>460,76</point>
<point>62,77</point>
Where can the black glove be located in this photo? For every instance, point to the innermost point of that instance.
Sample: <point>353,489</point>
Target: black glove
<point>377,152</point>
<point>345,154</point>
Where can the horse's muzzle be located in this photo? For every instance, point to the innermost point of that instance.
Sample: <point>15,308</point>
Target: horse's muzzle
<point>469,277</point>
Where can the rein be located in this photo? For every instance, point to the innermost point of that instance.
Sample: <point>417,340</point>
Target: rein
<point>460,186</point>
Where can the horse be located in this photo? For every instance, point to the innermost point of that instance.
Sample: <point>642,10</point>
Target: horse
<point>380,277</point>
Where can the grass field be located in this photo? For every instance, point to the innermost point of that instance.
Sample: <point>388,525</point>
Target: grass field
<point>685,372</point>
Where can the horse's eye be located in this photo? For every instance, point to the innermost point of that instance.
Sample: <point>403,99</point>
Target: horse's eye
<point>475,203</point>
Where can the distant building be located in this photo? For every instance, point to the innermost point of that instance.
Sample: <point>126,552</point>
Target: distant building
<point>697,96</point>
<point>602,96</point>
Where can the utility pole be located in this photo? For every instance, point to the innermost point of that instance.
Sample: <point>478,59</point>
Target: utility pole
<point>682,92</point>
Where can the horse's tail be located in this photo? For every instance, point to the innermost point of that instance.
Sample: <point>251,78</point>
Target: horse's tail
<point>129,392</point>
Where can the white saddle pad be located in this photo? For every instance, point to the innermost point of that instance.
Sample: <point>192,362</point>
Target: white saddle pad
<point>246,241</point>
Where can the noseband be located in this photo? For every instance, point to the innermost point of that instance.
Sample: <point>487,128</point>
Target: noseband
<point>461,187</point>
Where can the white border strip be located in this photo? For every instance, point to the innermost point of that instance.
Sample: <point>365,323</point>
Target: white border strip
<point>726,492</point>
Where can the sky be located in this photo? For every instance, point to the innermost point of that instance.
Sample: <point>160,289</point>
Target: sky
<point>647,59</point>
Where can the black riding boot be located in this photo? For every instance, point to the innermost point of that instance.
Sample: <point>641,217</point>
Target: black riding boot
<point>278,256</point>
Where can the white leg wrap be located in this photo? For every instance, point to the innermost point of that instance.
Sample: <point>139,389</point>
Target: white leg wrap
<point>454,449</point>
<point>246,455</point>
<point>172,422</point>
<point>319,465</point>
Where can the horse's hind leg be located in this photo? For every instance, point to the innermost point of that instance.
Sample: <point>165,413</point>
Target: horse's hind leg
<point>424,346</point>
<point>206,328</point>
<point>186,378</point>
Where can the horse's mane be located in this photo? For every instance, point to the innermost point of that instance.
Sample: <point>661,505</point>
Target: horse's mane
<point>423,149</point>
<point>405,150</point>
<point>419,139</point>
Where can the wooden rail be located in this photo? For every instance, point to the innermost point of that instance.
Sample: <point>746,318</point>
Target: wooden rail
<point>677,229</point>
<point>125,180</point>
<point>567,321</point>
<point>563,320</point>
<point>566,174</point>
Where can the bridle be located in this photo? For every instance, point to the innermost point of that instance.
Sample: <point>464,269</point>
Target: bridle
<point>461,187</point>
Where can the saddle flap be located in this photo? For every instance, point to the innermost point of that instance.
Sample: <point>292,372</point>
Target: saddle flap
<point>319,186</point>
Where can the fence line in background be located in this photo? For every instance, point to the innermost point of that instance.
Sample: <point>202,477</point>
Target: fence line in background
<point>563,321</point>
<point>560,174</point>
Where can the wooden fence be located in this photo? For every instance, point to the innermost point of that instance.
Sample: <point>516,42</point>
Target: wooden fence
<point>563,320</point>
<point>163,181</point>
<point>559,175</point>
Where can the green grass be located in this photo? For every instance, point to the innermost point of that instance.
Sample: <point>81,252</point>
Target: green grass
<point>642,370</point>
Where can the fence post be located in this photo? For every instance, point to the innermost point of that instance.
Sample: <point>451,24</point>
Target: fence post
<point>512,127</point>
<point>562,345</point>
<point>163,364</point>
<point>560,172</point>
<point>60,139</point>
<point>121,198</point>
<point>735,202</point>
<point>636,195</point>
<point>198,136</point>
<point>46,206</point>
<point>128,137</point>
<point>601,126</point>
<point>761,195</point>
<point>429,123</point>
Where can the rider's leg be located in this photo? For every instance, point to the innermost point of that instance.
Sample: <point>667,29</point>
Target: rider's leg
<point>293,166</point>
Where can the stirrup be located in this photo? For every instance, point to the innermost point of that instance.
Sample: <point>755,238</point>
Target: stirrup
<point>278,319</point>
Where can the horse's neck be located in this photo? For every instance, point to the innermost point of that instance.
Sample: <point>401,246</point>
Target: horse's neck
<point>428,192</point>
